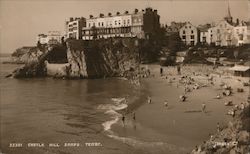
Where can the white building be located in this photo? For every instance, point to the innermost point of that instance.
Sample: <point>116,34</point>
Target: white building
<point>52,37</point>
<point>241,34</point>
<point>189,34</point>
<point>221,34</point>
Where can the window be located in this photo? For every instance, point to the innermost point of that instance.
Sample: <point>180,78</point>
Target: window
<point>192,31</point>
<point>128,21</point>
<point>183,32</point>
<point>218,31</point>
<point>102,24</point>
<point>115,22</point>
<point>124,22</point>
<point>89,24</point>
<point>186,27</point>
<point>99,24</point>
<point>189,26</point>
<point>192,36</point>
<point>183,37</point>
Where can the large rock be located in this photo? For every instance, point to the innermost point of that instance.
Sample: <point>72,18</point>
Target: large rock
<point>103,58</point>
<point>26,55</point>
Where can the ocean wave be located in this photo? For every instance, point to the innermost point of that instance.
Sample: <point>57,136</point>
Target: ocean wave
<point>111,109</point>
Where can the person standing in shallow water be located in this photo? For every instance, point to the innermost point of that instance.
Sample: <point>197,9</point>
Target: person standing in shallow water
<point>123,120</point>
<point>179,70</point>
<point>203,107</point>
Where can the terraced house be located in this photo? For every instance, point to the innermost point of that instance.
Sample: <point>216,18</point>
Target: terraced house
<point>141,24</point>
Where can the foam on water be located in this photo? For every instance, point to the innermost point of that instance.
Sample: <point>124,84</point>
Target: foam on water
<point>117,104</point>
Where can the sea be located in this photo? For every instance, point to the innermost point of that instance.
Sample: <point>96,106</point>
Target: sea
<point>55,116</point>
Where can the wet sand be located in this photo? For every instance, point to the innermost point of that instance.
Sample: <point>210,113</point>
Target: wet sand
<point>180,126</point>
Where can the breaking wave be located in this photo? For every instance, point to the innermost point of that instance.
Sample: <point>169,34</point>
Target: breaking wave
<point>111,109</point>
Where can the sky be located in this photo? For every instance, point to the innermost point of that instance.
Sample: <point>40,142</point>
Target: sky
<point>22,20</point>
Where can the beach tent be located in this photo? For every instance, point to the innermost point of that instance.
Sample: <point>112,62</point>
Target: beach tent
<point>241,70</point>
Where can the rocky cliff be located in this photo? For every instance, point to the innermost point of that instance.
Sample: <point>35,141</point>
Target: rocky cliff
<point>103,58</point>
<point>26,55</point>
<point>86,59</point>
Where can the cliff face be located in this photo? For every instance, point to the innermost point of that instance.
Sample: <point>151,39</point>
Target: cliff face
<point>85,59</point>
<point>102,58</point>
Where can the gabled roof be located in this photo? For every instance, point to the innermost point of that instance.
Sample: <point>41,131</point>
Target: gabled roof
<point>204,28</point>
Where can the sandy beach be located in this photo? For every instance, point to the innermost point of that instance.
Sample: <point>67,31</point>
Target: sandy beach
<point>180,126</point>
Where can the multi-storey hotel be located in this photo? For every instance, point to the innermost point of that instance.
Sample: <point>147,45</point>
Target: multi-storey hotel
<point>141,24</point>
<point>74,27</point>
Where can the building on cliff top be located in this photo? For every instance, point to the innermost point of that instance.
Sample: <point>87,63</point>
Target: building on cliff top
<point>74,27</point>
<point>140,24</point>
<point>52,37</point>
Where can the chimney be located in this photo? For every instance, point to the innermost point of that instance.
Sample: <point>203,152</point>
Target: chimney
<point>136,11</point>
<point>101,15</point>
<point>71,19</point>
<point>109,14</point>
<point>90,16</point>
<point>126,12</point>
<point>117,13</point>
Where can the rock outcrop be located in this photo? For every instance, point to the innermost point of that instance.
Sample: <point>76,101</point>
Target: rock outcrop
<point>103,58</point>
<point>26,55</point>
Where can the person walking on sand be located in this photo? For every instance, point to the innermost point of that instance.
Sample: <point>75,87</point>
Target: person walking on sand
<point>218,127</point>
<point>203,108</point>
<point>149,100</point>
<point>179,70</point>
<point>134,116</point>
<point>161,71</point>
<point>166,103</point>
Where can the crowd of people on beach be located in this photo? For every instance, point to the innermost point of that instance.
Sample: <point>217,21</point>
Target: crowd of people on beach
<point>191,82</point>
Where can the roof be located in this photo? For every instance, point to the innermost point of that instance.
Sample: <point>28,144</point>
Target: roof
<point>240,68</point>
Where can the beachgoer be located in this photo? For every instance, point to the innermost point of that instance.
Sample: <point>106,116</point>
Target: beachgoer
<point>134,115</point>
<point>166,103</point>
<point>179,70</point>
<point>149,100</point>
<point>218,127</point>
<point>123,120</point>
<point>203,107</point>
<point>218,97</point>
<point>161,71</point>
<point>183,98</point>
<point>242,106</point>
